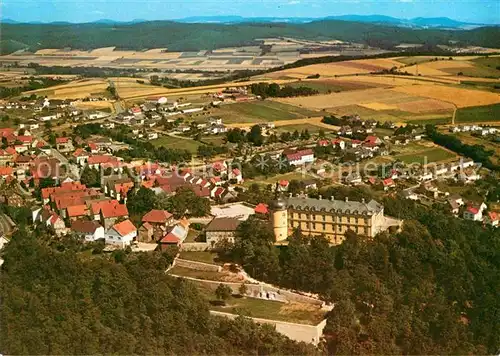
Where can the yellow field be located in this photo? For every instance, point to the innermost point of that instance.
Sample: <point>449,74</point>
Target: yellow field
<point>356,97</point>
<point>378,106</point>
<point>362,66</point>
<point>74,90</point>
<point>462,98</point>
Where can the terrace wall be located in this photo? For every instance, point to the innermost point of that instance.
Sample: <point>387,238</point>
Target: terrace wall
<point>200,266</point>
<point>195,246</point>
<point>299,332</point>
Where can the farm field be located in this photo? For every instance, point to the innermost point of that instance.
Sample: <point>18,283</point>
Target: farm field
<point>487,113</point>
<point>362,66</point>
<point>261,111</point>
<point>427,156</point>
<point>175,142</point>
<point>313,129</point>
<point>327,86</point>
<point>74,90</point>
<point>460,97</point>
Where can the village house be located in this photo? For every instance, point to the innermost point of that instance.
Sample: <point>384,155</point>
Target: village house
<point>175,235</point>
<point>88,230</point>
<point>64,144</point>
<point>108,211</point>
<point>492,218</point>
<point>158,219</point>
<point>221,229</point>
<point>301,157</point>
<point>474,211</point>
<point>121,234</point>
<point>236,175</point>
<point>455,202</point>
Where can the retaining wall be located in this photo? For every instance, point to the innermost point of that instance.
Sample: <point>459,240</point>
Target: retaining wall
<point>195,246</point>
<point>200,266</point>
<point>299,332</point>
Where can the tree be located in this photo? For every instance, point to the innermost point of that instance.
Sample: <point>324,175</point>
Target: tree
<point>223,292</point>
<point>91,177</point>
<point>141,201</point>
<point>243,289</point>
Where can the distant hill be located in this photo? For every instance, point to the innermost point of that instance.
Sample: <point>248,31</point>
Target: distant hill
<point>197,36</point>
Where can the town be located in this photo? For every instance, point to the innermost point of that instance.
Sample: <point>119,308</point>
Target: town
<point>282,207</point>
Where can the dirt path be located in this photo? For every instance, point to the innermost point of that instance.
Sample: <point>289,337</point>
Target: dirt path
<point>316,121</point>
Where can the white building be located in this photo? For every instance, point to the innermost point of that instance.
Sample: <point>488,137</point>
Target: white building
<point>121,234</point>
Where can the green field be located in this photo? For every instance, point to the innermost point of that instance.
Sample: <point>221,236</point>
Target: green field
<point>216,140</point>
<point>200,256</point>
<point>326,86</point>
<point>193,273</point>
<point>175,142</point>
<point>313,129</point>
<point>262,111</point>
<point>479,114</point>
<point>418,59</point>
<point>432,155</point>
<point>483,67</point>
<point>490,86</point>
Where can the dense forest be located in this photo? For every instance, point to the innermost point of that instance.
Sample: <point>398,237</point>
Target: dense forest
<point>274,90</point>
<point>194,37</point>
<point>430,289</point>
<point>58,299</point>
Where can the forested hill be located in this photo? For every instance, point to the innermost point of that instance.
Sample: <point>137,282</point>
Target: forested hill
<point>192,37</point>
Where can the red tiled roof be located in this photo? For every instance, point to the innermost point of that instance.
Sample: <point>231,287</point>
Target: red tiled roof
<point>10,151</point>
<point>219,191</point>
<point>473,210</point>
<point>123,188</point>
<point>54,218</point>
<point>93,146</point>
<point>136,110</point>
<point>372,180</point>
<point>284,183</point>
<point>80,152</point>
<point>109,208</point>
<point>25,139</point>
<point>6,132</point>
<point>299,154</point>
<point>124,228</point>
<point>323,143</point>
<point>62,139</point>
<point>371,139</point>
<point>261,208</point>
<point>77,210</point>
<point>356,141</point>
<point>236,171</point>
<point>170,239</point>
<point>101,159</point>
<point>388,182</point>
<point>215,179</point>
<point>157,216</point>
<point>6,171</point>
<point>494,216</point>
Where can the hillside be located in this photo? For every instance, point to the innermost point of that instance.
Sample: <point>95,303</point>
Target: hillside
<point>193,37</point>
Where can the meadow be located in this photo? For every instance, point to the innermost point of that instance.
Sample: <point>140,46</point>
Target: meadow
<point>427,156</point>
<point>488,113</point>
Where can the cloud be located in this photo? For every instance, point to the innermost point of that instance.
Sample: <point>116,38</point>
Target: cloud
<point>294,2</point>
<point>405,0</point>
<point>97,12</point>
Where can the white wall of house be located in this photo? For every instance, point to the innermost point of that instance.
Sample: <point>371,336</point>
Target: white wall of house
<point>114,238</point>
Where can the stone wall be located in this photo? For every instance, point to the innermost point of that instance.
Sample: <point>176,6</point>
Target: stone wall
<point>264,291</point>
<point>195,246</point>
<point>200,266</point>
<point>299,332</point>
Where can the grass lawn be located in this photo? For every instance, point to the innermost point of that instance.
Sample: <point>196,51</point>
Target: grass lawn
<point>432,155</point>
<point>193,273</point>
<point>200,256</point>
<point>491,86</point>
<point>327,86</point>
<point>175,142</point>
<point>271,180</point>
<point>313,129</point>
<point>192,235</point>
<point>216,140</point>
<point>383,132</point>
<point>262,111</point>
<point>268,309</point>
<point>478,114</point>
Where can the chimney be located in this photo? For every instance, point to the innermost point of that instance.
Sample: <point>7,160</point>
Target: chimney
<point>346,199</point>
<point>332,198</point>
<point>320,197</point>
<point>363,200</point>
<point>290,195</point>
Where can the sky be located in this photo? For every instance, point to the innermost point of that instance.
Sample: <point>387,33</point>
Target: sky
<point>477,11</point>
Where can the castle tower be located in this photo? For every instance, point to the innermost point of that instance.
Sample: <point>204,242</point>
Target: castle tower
<point>279,219</point>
